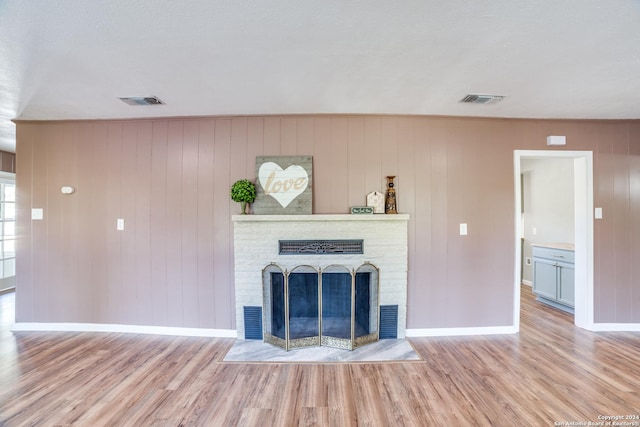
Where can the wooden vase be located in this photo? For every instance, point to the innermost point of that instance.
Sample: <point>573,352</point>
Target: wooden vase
<point>390,201</point>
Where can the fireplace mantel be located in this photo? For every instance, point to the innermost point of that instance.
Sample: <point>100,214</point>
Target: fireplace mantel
<point>320,217</point>
<point>256,240</point>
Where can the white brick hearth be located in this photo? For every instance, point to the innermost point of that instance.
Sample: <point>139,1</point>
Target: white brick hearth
<point>256,246</point>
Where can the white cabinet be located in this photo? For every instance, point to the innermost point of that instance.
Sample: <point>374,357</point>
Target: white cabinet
<point>553,276</point>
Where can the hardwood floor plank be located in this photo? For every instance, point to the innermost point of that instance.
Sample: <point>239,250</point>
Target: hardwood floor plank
<point>550,372</point>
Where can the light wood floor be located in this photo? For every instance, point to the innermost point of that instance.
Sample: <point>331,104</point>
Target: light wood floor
<point>550,372</point>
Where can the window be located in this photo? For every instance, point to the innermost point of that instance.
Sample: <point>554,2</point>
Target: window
<point>7,233</point>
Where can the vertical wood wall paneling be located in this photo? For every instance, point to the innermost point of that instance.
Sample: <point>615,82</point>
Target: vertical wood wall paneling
<point>25,295</point>
<point>339,165</point>
<point>304,141</point>
<point>450,170</point>
<point>271,137</point>
<point>322,166</point>
<point>143,284</point>
<point>406,154</point>
<point>373,179</point>
<point>94,192</point>
<point>421,257</point>
<point>70,225</point>
<point>174,223</point>
<point>494,212</point>
<point>238,150</point>
<point>160,199</point>
<point>405,184</point>
<point>221,225</point>
<point>634,215</point>
<point>190,214</point>
<point>288,136</point>
<point>604,239</point>
<point>622,237</point>
<point>115,292</point>
<point>305,147</point>
<point>437,277</point>
<point>206,214</point>
<point>457,247</point>
<point>478,304</point>
<point>239,170</point>
<point>54,223</point>
<point>355,162</point>
<point>389,149</point>
<point>128,197</point>
<point>82,216</point>
<point>255,145</point>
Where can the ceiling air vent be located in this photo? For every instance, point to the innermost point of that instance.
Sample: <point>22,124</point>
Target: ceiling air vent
<point>481,99</point>
<point>142,100</point>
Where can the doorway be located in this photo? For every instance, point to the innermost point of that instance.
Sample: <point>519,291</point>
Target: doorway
<point>583,230</point>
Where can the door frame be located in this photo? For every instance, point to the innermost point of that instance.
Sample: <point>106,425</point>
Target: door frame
<point>583,230</point>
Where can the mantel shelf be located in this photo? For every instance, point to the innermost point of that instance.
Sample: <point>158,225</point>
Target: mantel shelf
<point>320,217</point>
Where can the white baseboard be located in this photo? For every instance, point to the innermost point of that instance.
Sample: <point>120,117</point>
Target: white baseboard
<point>444,332</point>
<point>527,283</point>
<point>615,327</point>
<point>130,329</point>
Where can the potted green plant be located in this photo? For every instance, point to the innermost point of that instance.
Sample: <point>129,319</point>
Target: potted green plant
<point>243,191</point>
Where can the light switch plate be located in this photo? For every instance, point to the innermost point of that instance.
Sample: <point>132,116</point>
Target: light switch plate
<point>120,224</point>
<point>598,213</point>
<point>37,213</point>
<point>463,229</point>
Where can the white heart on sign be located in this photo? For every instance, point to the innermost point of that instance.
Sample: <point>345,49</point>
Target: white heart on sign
<point>283,185</point>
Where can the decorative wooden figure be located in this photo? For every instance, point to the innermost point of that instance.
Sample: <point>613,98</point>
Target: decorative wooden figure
<point>390,203</point>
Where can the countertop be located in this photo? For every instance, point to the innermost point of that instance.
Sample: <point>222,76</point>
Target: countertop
<point>563,246</point>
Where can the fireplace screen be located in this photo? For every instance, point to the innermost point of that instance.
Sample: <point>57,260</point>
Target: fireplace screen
<point>309,306</point>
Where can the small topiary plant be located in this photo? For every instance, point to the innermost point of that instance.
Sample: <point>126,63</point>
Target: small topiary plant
<point>243,191</point>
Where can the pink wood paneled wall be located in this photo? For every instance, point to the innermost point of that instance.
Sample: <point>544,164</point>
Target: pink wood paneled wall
<point>170,178</point>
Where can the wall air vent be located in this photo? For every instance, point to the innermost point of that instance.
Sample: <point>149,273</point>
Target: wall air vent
<point>481,99</point>
<point>142,100</point>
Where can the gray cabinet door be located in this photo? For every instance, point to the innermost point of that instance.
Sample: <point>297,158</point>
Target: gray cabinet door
<point>545,278</point>
<point>566,280</point>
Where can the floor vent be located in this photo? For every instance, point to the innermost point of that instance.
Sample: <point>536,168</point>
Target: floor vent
<point>388,322</point>
<point>252,322</point>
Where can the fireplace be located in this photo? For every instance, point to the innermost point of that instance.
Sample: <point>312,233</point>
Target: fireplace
<point>332,306</point>
<point>295,288</point>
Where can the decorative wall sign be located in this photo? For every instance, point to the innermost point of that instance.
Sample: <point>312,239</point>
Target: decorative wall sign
<point>361,209</point>
<point>375,199</point>
<point>284,185</point>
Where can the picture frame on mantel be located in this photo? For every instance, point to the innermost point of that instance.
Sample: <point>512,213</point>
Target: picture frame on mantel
<point>284,185</point>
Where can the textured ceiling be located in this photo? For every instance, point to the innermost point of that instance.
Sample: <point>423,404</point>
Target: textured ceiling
<point>72,59</point>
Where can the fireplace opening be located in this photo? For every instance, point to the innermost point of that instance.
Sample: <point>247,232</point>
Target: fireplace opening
<point>309,306</point>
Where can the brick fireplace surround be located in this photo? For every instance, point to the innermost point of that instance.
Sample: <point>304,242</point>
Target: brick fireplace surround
<point>256,246</point>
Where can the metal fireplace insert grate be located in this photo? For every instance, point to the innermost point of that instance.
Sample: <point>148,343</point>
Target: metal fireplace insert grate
<point>300,247</point>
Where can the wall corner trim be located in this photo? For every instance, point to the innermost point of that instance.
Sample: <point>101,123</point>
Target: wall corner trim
<point>445,332</point>
<point>129,329</point>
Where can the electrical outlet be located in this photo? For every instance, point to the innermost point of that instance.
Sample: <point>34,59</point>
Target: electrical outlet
<point>527,261</point>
